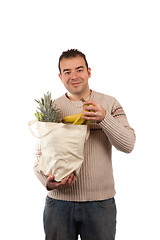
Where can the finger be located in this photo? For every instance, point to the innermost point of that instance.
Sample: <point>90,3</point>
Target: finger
<point>64,180</point>
<point>90,113</point>
<point>51,178</point>
<point>71,179</point>
<point>90,108</point>
<point>90,102</point>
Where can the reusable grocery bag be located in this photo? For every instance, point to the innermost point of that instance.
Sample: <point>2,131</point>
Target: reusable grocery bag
<point>62,147</point>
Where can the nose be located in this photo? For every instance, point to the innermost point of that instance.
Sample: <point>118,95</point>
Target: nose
<point>74,75</point>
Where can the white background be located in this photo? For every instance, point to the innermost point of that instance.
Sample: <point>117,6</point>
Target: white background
<point>121,40</point>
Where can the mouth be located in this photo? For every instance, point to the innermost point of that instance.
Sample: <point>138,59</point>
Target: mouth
<point>76,83</point>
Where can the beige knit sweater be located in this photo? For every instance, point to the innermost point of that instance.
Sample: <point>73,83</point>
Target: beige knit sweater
<point>95,180</point>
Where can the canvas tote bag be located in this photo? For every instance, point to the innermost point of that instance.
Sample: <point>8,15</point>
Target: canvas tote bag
<point>62,147</point>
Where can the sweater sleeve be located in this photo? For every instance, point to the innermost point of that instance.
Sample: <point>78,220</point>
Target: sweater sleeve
<point>117,128</point>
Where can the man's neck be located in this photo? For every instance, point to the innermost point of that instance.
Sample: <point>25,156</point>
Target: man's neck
<point>77,97</point>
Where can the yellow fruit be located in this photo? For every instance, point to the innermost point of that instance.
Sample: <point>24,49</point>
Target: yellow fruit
<point>79,120</point>
<point>71,118</point>
<point>87,122</point>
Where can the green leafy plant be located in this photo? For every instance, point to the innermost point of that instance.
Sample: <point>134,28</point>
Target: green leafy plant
<point>47,110</point>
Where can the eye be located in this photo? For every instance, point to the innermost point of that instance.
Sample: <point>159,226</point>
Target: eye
<point>67,73</point>
<point>80,70</point>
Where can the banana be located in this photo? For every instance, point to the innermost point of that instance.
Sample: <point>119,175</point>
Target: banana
<point>76,119</point>
<point>79,120</point>
<point>71,118</point>
<point>87,122</point>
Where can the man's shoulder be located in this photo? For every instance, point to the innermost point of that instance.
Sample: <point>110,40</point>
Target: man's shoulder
<point>60,102</point>
<point>103,96</point>
<point>107,101</point>
<point>61,98</point>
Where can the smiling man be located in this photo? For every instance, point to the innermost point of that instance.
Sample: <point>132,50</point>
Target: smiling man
<point>85,205</point>
<point>74,74</point>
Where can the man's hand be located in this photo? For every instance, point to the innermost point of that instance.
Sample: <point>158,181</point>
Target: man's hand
<point>65,183</point>
<point>95,112</point>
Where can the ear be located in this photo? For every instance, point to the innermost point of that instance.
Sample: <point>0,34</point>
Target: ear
<point>60,76</point>
<point>89,72</point>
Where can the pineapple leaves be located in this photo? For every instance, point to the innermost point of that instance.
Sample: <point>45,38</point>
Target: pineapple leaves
<point>47,110</point>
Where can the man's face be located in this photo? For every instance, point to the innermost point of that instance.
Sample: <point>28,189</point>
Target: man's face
<point>74,75</point>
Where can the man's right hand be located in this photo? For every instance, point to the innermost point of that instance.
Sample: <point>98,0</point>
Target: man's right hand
<point>65,183</point>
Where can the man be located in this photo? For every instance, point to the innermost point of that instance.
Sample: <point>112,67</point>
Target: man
<point>85,205</point>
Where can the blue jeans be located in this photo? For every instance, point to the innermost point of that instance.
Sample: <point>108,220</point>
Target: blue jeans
<point>64,220</point>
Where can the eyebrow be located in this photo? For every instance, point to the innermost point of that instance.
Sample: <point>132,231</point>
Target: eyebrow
<point>79,67</point>
<point>68,69</point>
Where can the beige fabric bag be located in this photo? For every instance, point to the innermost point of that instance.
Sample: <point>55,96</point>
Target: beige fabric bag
<point>62,147</point>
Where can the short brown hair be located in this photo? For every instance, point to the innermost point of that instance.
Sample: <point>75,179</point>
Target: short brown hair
<point>71,53</point>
